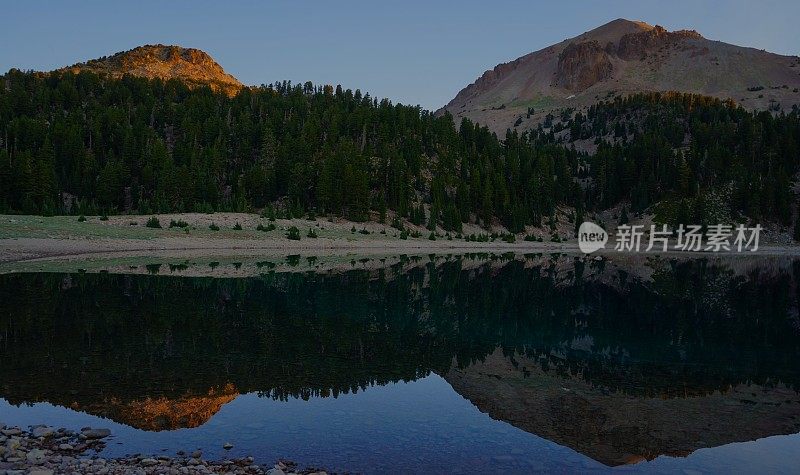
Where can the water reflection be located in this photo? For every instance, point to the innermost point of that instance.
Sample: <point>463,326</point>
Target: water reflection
<point>619,361</point>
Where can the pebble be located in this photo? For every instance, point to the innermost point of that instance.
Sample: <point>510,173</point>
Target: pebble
<point>43,450</point>
<point>42,431</point>
<point>90,433</point>
<point>36,456</point>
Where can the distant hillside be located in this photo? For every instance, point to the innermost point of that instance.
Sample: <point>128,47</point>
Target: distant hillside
<point>85,144</point>
<point>192,66</point>
<point>619,58</point>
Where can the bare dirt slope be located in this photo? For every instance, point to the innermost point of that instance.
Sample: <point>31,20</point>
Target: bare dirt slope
<point>624,57</point>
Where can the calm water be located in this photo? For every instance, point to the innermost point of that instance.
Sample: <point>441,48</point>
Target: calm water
<point>443,365</point>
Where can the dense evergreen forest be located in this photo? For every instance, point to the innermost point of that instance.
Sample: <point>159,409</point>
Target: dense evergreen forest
<point>699,159</point>
<point>84,144</point>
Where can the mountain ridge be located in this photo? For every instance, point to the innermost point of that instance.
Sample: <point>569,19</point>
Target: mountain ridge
<point>619,58</point>
<point>189,65</point>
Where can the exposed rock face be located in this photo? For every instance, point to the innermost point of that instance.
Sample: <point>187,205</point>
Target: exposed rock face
<point>582,65</point>
<point>636,45</point>
<point>619,58</point>
<point>192,66</point>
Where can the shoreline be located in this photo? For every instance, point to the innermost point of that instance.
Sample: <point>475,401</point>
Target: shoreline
<point>45,450</point>
<point>41,244</point>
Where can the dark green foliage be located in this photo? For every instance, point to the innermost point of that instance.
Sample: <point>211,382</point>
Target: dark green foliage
<point>311,233</point>
<point>397,224</point>
<point>267,228</point>
<point>213,227</point>
<point>685,146</point>
<point>81,218</point>
<point>293,233</point>
<point>796,232</point>
<point>153,223</point>
<point>103,218</point>
<point>237,227</point>
<point>178,224</point>
<point>133,144</point>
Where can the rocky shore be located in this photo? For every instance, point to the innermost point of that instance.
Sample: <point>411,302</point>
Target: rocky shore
<point>44,450</point>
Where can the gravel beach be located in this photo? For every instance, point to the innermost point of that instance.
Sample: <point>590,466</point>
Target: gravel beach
<point>44,450</point>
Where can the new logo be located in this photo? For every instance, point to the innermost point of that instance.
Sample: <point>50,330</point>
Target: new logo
<point>591,237</point>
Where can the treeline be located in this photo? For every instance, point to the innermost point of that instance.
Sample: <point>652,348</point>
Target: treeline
<point>702,159</point>
<point>84,144</point>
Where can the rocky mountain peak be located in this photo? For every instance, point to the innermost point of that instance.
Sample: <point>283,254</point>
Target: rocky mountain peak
<point>192,66</point>
<point>619,58</point>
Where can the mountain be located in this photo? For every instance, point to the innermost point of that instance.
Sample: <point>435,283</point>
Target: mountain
<point>620,58</point>
<point>192,66</point>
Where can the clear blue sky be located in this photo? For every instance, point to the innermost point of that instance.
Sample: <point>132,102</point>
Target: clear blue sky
<point>414,52</point>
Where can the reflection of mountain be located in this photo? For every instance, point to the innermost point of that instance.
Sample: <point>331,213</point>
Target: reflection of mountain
<point>614,428</point>
<point>162,413</point>
<point>144,350</point>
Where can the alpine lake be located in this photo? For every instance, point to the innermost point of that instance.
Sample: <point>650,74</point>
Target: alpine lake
<point>476,363</point>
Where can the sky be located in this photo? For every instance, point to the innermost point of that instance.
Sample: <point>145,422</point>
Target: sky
<point>413,52</point>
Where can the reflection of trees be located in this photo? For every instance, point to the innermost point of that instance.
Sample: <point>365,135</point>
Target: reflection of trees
<point>694,329</point>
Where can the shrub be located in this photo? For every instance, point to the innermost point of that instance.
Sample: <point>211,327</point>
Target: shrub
<point>267,228</point>
<point>364,231</point>
<point>105,218</point>
<point>432,236</point>
<point>213,227</point>
<point>312,234</point>
<point>178,224</point>
<point>397,224</point>
<point>237,227</point>
<point>153,223</point>
<point>81,218</point>
<point>293,234</point>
